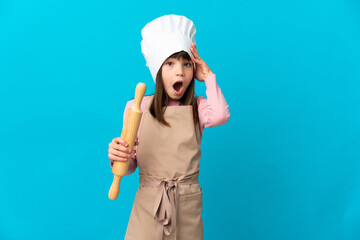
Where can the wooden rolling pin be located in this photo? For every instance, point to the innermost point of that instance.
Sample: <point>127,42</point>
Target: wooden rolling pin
<point>129,133</point>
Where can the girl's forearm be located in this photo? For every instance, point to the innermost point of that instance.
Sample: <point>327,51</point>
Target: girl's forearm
<point>213,110</point>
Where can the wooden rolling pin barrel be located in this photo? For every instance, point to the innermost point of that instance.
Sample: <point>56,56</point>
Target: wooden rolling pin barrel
<point>129,133</point>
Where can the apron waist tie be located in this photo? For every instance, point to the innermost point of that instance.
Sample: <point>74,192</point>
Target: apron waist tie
<point>167,201</point>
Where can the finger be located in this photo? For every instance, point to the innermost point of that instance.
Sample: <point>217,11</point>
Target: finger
<point>195,59</point>
<point>120,145</point>
<point>193,45</point>
<point>122,141</point>
<point>198,61</point>
<point>119,153</point>
<point>120,148</point>
<point>194,49</point>
<point>116,158</point>
<point>196,55</point>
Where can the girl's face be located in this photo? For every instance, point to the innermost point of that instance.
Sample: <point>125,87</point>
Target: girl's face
<point>177,75</point>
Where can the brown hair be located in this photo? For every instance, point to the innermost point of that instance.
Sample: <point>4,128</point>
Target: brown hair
<point>161,98</point>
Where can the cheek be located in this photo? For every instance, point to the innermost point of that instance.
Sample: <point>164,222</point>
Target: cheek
<point>189,76</point>
<point>165,80</point>
<point>188,84</point>
<point>167,85</point>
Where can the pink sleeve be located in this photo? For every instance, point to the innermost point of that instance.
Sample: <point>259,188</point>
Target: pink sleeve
<point>213,110</point>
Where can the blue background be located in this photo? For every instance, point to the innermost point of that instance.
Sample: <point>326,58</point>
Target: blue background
<point>286,165</point>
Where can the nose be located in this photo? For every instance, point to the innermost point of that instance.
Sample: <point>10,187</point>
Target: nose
<point>179,70</point>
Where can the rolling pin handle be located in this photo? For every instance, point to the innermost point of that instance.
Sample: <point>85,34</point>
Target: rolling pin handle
<point>139,94</point>
<point>115,187</point>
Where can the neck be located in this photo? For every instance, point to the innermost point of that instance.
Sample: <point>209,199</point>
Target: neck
<point>173,102</point>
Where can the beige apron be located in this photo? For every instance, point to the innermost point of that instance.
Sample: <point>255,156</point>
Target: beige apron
<point>168,203</point>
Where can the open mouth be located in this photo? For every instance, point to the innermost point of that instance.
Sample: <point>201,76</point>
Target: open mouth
<point>178,87</point>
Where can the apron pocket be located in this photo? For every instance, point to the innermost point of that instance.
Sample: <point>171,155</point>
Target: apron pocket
<point>189,216</point>
<point>191,196</point>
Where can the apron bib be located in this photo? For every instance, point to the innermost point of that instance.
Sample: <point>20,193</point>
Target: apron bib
<point>168,203</point>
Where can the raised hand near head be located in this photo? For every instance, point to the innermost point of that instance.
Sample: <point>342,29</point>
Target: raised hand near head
<point>202,69</point>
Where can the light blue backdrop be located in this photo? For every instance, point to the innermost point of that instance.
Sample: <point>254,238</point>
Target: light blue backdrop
<point>286,165</point>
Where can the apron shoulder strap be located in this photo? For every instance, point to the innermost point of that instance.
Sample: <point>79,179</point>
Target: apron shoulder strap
<point>149,101</point>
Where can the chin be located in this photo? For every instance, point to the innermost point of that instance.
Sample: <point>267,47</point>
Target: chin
<point>176,97</point>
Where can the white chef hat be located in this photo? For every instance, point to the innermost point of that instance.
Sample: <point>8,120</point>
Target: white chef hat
<point>165,36</point>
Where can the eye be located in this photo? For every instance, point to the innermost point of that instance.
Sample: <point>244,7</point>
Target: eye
<point>169,63</point>
<point>187,64</point>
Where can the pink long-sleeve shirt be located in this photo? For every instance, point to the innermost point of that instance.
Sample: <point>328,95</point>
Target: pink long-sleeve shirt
<point>213,111</point>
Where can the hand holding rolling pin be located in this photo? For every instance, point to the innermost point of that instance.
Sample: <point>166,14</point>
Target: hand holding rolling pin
<point>126,142</point>
<point>119,150</point>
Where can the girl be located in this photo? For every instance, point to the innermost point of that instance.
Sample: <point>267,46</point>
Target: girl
<point>168,203</point>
